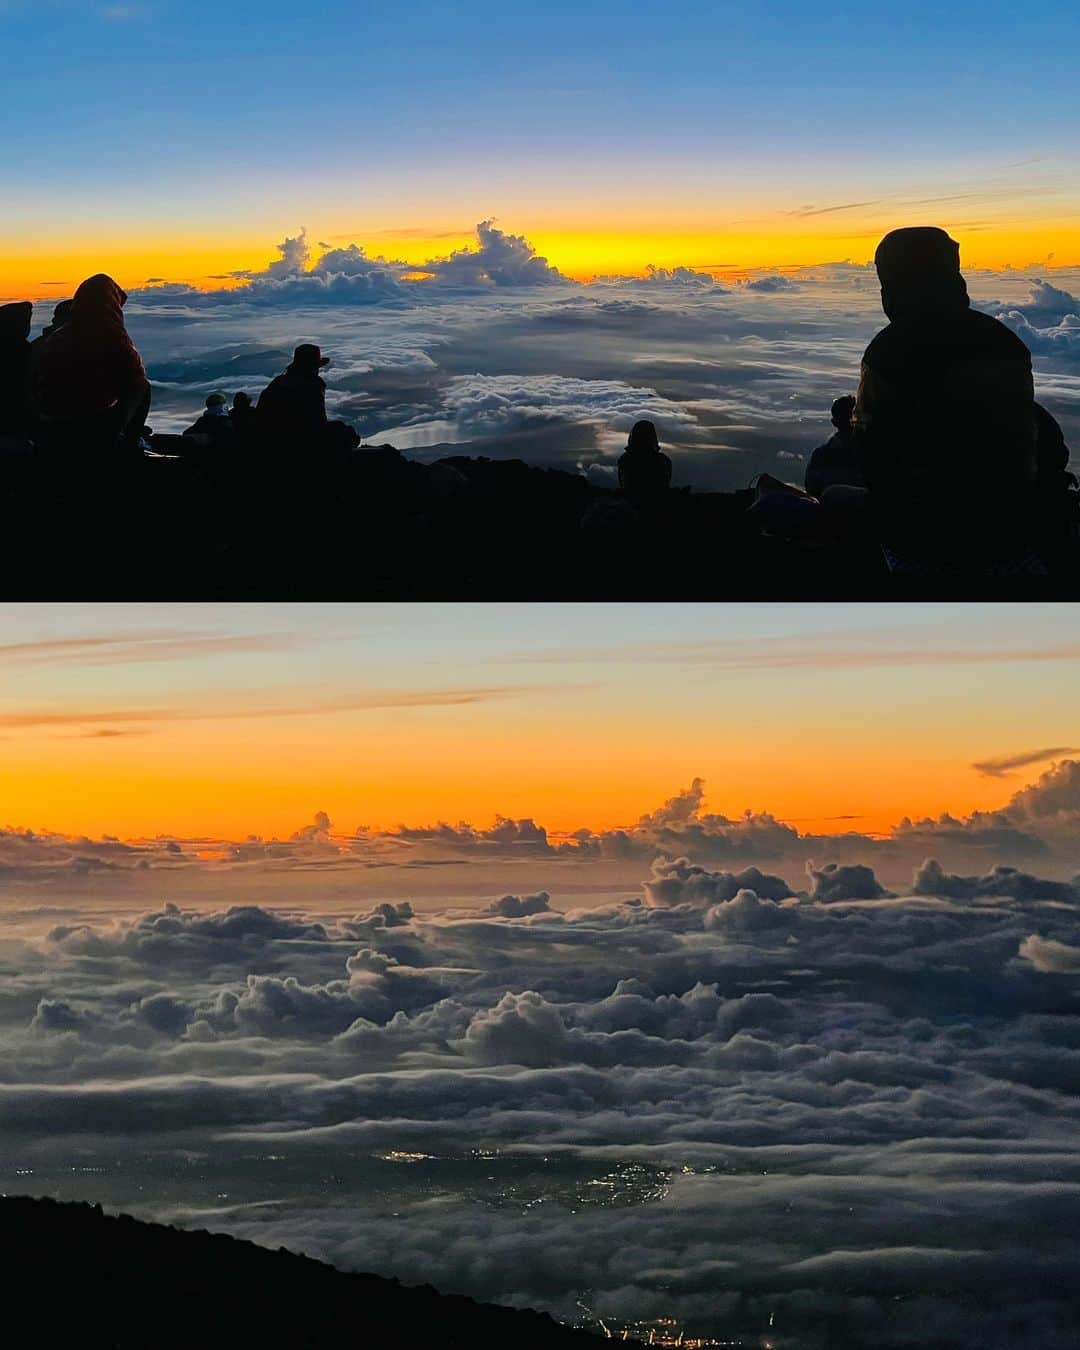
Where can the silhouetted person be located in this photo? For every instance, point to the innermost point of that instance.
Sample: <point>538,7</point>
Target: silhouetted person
<point>89,388</point>
<point>60,316</point>
<point>1058,504</point>
<point>291,412</point>
<point>836,463</point>
<point>214,424</point>
<point>14,362</point>
<point>944,419</point>
<point>242,417</point>
<point>644,469</point>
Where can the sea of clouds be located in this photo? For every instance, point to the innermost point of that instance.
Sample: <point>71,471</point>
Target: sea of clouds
<point>807,1102</point>
<point>492,351</point>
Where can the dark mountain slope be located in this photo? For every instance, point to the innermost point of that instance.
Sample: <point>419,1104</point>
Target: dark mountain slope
<point>75,1275</point>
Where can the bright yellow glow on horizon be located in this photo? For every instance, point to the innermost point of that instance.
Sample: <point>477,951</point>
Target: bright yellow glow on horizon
<point>33,267</point>
<point>268,777</point>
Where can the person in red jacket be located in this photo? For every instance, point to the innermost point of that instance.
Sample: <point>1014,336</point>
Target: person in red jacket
<point>89,388</point>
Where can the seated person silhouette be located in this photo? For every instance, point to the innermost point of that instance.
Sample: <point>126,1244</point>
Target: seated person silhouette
<point>835,464</point>
<point>944,420</point>
<point>1058,494</point>
<point>242,417</point>
<point>644,469</point>
<point>60,315</point>
<point>214,425</point>
<point>290,416</point>
<point>14,364</point>
<point>89,390</point>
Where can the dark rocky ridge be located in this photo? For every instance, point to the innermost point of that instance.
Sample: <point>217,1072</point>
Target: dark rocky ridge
<point>111,1280</point>
<point>374,525</point>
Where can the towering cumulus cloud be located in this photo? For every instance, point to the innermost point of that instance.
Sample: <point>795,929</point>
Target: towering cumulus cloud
<point>499,259</point>
<point>827,1116</point>
<point>349,276</point>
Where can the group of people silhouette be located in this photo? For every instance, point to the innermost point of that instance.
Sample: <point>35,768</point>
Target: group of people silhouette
<point>942,458</point>
<point>79,391</point>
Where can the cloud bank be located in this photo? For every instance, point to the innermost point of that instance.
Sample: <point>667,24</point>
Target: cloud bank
<point>490,350</point>
<point>832,1116</point>
<point>682,840</point>
<point>349,276</point>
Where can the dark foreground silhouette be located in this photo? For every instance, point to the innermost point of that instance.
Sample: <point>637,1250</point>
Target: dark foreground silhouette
<point>943,479</point>
<point>122,1283</point>
<point>379,526</point>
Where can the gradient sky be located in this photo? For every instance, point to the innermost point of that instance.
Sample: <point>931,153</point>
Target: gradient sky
<point>224,720</point>
<point>179,138</point>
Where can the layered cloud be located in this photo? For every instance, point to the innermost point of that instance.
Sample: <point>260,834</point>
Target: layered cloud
<point>681,839</point>
<point>755,1109</point>
<point>499,259</point>
<point>1003,765</point>
<point>350,276</point>
<point>1048,321</point>
<point>488,350</point>
<point>1037,819</point>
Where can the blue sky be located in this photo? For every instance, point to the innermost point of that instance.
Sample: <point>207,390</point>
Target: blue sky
<point>183,115</point>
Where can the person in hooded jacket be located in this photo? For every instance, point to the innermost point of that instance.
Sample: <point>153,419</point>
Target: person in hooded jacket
<point>89,389</point>
<point>944,420</point>
<point>14,362</point>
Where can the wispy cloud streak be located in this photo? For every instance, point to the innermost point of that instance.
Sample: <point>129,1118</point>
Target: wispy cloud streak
<point>826,651</point>
<point>1001,766</point>
<point>42,718</point>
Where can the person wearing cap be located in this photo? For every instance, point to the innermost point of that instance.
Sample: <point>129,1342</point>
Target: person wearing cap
<point>290,415</point>
<point>213,424</point>
<point>944,419</point>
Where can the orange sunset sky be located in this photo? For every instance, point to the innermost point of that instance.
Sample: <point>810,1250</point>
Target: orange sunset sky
<point>204,721</point>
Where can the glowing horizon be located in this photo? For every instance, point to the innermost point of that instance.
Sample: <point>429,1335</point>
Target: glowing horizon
<point>219,722</point>
<point>582,254</point>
